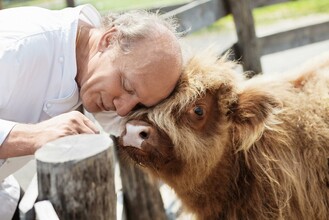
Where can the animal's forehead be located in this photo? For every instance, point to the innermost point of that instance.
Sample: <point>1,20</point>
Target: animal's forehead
<point>189,89</point>
<point>173,105</point>
<point>197,79</point>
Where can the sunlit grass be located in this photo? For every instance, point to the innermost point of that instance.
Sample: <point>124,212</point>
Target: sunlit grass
<point>101,5</point>
<point>290,9</point>
<point>273,13</point>
<point>129,4</point>
<point>262,16</point>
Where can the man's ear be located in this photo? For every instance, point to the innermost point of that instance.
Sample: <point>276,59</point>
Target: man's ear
<point>253,111</point>
<point>106,40</point>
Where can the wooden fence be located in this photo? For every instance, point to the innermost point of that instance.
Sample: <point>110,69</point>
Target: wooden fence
<point>87,197</point>
<point>249,48</point>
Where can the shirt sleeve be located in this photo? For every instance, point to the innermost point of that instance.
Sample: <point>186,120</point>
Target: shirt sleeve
<point>5,128</point>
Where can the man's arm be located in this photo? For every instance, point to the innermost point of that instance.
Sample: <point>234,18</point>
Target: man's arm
<point>25,139</point>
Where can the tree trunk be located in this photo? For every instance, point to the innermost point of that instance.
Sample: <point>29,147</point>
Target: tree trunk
<point>76,174</point>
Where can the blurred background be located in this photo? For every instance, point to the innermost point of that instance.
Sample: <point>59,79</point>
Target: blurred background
<point>221,34</point>
<point>264,16</point>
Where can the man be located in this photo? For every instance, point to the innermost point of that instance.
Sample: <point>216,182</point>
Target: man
<point>51,62</point>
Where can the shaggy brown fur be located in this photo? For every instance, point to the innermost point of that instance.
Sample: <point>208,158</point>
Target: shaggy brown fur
<point>233,148</point>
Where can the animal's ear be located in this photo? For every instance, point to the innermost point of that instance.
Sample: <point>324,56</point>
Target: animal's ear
<point>252,112</point>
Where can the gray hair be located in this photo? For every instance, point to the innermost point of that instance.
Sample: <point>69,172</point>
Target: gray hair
<point>135,25</point>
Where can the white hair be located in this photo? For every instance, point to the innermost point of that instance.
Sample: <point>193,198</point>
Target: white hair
<point>136,25</point>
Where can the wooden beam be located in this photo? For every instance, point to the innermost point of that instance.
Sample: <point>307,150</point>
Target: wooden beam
<point>142,197</point>
<point>70,3</point>
<point>261,3</point>
<point>198,14</point>
<point>45,211</point>
<point>76,174</point>
<point>294,38</point>
<point>26,205</point>
<point>166,9</point>
<point>247,41</point>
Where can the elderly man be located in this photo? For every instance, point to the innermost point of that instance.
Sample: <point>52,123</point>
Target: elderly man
<point>52,61</point>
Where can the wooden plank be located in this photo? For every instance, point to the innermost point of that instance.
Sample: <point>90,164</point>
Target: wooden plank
<point>26,205</point>
<point>76,174</point>
<point>70,3</point>
<point>261,3</point>
<point>247,45</point>
<point>198,14</point>
<point>294,38</point>
<point>167,8</point>
<point>142,197</point>
<point>45,211</point>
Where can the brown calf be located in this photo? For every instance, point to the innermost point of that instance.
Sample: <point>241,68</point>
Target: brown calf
<point>233,148</point>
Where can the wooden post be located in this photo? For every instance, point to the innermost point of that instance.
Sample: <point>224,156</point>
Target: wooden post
<point>247,40</point>
<point>76,174</point>
<point>70,3</point>
<point>142,196</point>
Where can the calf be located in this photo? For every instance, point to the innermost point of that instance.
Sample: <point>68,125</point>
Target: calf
<point>233,148</point>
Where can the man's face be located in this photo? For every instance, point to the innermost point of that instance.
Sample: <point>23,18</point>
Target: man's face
<point>118,81</point>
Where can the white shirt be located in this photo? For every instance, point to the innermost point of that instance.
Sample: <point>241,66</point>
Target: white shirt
<point>37,68</point>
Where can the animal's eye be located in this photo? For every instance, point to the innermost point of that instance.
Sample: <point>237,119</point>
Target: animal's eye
<point>198,111</point>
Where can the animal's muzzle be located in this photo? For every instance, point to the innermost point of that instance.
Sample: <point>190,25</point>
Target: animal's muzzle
<point>136,132</point>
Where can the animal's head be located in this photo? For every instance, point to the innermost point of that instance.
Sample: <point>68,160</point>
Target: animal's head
<point>207,116</point>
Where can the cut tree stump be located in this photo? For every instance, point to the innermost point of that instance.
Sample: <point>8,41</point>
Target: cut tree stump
<point>76,174</point>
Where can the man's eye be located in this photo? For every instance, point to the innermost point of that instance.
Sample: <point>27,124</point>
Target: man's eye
<point>127,87</point>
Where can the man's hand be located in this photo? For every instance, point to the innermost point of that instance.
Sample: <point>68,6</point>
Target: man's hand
<point>25,139</point>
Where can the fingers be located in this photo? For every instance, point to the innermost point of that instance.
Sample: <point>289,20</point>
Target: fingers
<point>80,124</point>
<point>68,124</point>
<point>91,126</point>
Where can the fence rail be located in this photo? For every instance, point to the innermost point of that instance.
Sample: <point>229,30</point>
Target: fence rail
<point>294,38</point>
<point>249,48</point>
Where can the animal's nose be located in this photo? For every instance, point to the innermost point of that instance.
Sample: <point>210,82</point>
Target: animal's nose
<point>144,133</point>
<point>136,134</point>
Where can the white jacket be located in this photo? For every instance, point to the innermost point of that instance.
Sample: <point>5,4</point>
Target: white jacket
<point>37,75</point>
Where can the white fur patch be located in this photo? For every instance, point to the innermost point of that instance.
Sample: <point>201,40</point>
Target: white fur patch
<point>132,138</point>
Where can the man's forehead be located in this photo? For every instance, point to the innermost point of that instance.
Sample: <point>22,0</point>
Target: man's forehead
<point>151,93</point>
